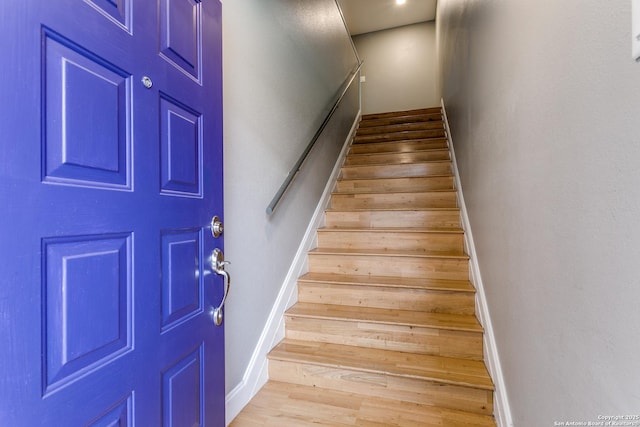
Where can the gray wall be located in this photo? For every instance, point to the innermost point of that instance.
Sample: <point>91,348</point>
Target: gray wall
<point>283,62</point>
<point>544,99</point>
<point>400,67</point>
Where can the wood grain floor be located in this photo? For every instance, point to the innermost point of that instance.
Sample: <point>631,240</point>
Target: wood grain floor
<point>290,405</point>
<point>384,332</point>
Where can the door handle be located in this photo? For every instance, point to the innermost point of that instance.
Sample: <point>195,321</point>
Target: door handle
<point>217,265</point>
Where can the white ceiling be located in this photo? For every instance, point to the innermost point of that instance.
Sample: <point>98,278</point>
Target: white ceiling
<point>365,16</point>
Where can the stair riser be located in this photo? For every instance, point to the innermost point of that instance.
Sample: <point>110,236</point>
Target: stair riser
<point>432,219</point>
<point>406,113</point>
<point>400,127</point>
<point>396,171</point>
<point>415,241</point>
<point>413,339</point>
<point>437,117</point>
<point>443,199</point>
<point>397,158</point>
<point>378,265</point>
<point>398,146</point>
<point>425,300</point>
<point>381,385</point>
<point>388,185</point>
<point>399,136</point>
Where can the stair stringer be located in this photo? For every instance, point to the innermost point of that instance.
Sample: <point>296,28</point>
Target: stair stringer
<point>256,375</point>
<point>502,410</point>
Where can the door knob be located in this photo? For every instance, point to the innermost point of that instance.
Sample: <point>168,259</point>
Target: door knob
<point>217,265</point>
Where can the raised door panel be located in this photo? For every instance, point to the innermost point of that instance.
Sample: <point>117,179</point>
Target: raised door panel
<point>87,117</point>
<point>181,35</point>
<point>87,315</point>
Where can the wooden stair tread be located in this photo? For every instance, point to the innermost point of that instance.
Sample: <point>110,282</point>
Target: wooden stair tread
<point>446,370</point>
<point>412,112</point>
<point>407,157</point>
<point>404,209</point>
<point>280,404</point>
<point>401,142</point>
<point>389,281</point>
<point>426,150</point>
<point>399,164</point>
<point>347,193</point>
<point>400,127</point>
<point>435,198</point>
<point>382,193</point>
<point>404,170</point>
<point>409,184</point>
<point>394,147</point>
<point>391,178</point>
<point>388,252</point>
<point>406,142</point>
<point>402,135</point>
<point>422,161</point>
<point>409,134</point>
<point>457,322</point>
<point>403,116</point>
<point>416,118</point>
<point>392,184</point>
<point>405,133</point>
<point>393,230</point>
<point>401,158</point>
<point>337,217</point>
<point>402,122</point>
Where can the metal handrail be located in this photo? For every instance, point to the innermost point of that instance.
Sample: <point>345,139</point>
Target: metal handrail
<point>296,168</point>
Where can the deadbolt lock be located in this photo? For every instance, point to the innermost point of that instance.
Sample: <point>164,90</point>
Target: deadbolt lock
<point>217,228</point>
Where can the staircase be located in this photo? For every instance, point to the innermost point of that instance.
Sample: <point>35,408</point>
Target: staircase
<point>384,331</point>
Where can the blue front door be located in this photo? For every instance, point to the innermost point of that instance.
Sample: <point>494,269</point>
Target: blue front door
<point>110,174</point>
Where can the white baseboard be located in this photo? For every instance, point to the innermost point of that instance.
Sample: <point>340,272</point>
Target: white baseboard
<point>502,411</point>
<point>256,374</point>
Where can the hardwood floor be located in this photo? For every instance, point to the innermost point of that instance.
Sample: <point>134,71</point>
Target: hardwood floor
<point>384,332</point>
<point>289,405</point>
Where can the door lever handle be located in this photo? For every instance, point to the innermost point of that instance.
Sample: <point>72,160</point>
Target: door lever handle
<point>217,265</point>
